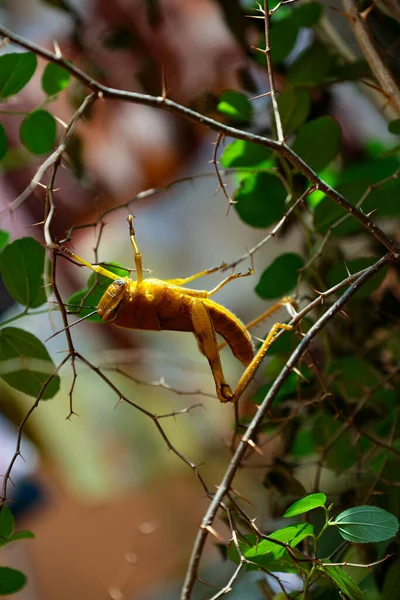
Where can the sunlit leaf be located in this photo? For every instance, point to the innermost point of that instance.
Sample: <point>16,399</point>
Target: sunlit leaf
<point>260,199</point>
<point>235,105</point>
<point>305,504</point>
<point>366,524</point>
<point>38,132</point>
<point>4,237</point>
<point>54,79</point>
<point>244,154</point>
<point>25,363</point>
<point>16,69</point>
<point>21,266</point>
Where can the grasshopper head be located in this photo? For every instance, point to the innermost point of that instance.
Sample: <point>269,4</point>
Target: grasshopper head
<point>111,300</point>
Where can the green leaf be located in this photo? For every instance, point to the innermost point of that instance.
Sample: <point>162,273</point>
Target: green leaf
<point>3,142</point>
<point>339,272</point>
<point>294,108</point>
<point>283,37</point>
<point>280,277</point>
<point>305,504</point>
<point>54,79</point>
<point>4,237</point>
<point>16,69</point>
<point>265,552</point>
<point>318,142</point>
<point>6,523</point>
<point>21,266</point>
<point>24,534</point>
<point>38,132</point>
<point>342,454</point>
<point>91,295</point>
<point>345,583</point>
<point>27,364</point>
<point>11,581</point>
<point>235,105</point>
<point>311,67</point>
<point>307,15</point>
<point>350,71</point>
<point>244,154</point>
<point>303,444</point>
<point>394,127</point>
<point>366,524</point>
<point>260,199</point>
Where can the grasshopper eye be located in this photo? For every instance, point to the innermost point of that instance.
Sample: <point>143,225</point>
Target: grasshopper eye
<point>111,300</point>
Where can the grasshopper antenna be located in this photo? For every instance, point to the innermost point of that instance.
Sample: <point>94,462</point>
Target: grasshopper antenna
<point>72,324</point>
<point>138,256</point>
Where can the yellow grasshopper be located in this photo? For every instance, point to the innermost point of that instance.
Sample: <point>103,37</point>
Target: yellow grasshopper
<point>155,305</point>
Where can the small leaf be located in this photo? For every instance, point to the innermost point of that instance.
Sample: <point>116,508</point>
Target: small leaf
<point>6,523</point>
<point>280,277</point>
<point>294,108</point>
<point>311,67</point>
<point>11,581</point>
<point>21,266</point>
<point>266,551</point>
<point>366,524</point>
<point>16,69</point>
<point>305,504</point>
<point>244,154</point>
<point>394,127</point>
<point>38,132</point>
<point>345,583</point>
<point>91,295</point>
<point>318,141</point>
<point>283,38</point>
<point>25,363</point>
<point>260,199</point>
<point>3,142</point>
<point>54,79</point>
<point>235,105</point>
<point>4,237</point>
<point>24,534</point>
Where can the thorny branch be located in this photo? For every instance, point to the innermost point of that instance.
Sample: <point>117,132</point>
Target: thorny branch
<point>169,105</point>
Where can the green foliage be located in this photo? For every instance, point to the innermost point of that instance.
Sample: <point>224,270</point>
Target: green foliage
<point>306,504</point>
<point>318,142</point>
<point>16,69</point>
<point>366,524</point>
<point>311,67</point>
<point>394,127</point>
<point>244,154</point>
<point>54,79</point>
<point>11,580</point>
<point>25,363</point>
<point>38,132</point>
<point>340,272</point>
<point>260,199</point>
<point>21,266</point>
<point>294,107</point>
<point>344,582</point>
<point>280,277</point>
<point>235,105</point>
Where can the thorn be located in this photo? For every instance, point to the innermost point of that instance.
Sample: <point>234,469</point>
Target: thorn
<point>120,399</point>
<point>36,224</point>
<point>163,83</point>
<point>213,532</point>
<point>317,291</point>
<point>241,496</point>
<point>344,314</point>
<point>260,96</point>
<point>300,374</point>
<point>371,213</point>
<point>255,447</point>
<point>347,269</point>
<point>364,14</point>
<point>259,49</point>
<point>57,50</point>
<point>203,581</point>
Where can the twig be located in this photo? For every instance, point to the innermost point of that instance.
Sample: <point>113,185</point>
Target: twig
<point>171,106</point>
<point>258,419</point>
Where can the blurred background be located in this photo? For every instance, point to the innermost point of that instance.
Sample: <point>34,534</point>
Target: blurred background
<point>113,510</point>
